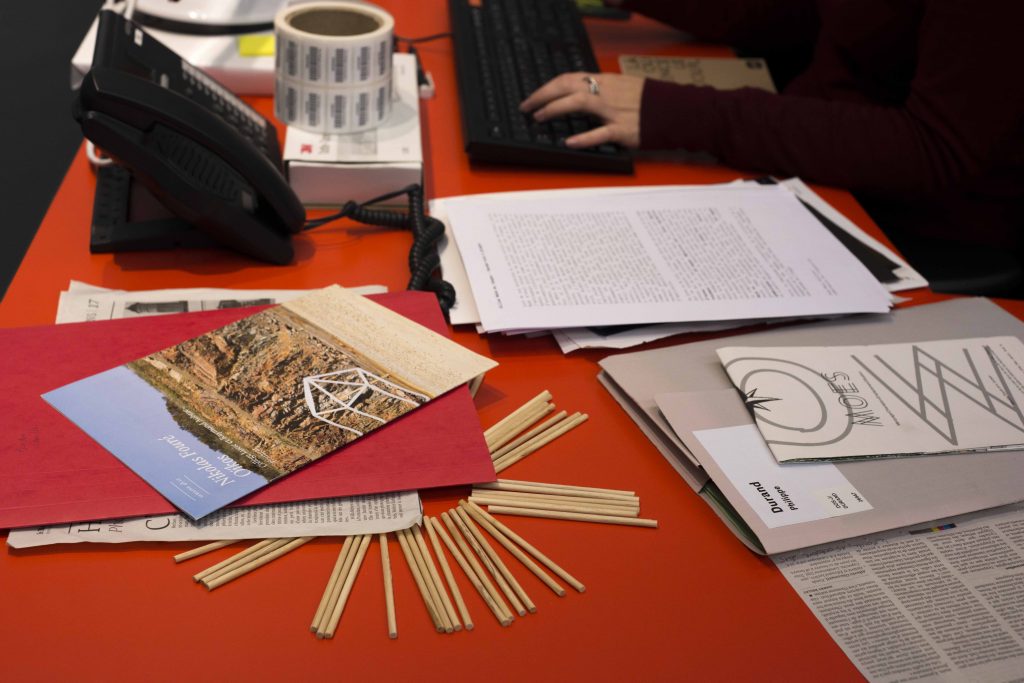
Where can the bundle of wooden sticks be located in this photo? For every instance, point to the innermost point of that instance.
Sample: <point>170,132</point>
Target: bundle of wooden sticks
<point>560,501</point>
<point>515,437</point>
<point>463,531</point>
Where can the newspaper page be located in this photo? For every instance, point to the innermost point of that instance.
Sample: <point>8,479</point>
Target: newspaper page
<point>944,602</point>
<point>369,514</point>
<point>834,402</point>
<point>721,253</point>
<point>86,303</point>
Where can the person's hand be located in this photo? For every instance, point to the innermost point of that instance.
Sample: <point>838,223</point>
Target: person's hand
<point>613,98</point>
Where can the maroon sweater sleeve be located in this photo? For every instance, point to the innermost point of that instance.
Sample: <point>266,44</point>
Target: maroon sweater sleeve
<point>964,111</point>
<point>762,25</point>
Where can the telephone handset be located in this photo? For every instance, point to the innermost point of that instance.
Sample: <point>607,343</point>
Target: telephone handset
<point>207,156</point>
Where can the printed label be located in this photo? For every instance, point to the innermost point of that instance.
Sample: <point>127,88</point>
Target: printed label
<point>779,494</point>
<point>339,65</point>
<point>363,63</point>
<point>362,109</point>
<point>313,100</point>
<point>314,63</point>
<point>339,112</point>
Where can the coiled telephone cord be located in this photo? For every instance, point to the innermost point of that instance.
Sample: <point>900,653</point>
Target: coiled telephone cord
<point>427,231</point>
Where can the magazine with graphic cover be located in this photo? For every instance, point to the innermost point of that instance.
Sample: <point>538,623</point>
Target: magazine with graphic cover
<point>829,403</point>
<point>217,417</point>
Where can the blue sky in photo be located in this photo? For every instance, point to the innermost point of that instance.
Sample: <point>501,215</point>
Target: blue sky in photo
<point>129,418</point>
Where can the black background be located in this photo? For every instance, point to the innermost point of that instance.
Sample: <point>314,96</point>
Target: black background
<point>37,40</point>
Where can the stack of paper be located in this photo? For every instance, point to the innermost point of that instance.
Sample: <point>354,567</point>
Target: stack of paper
<point>60,475</point>
<point>696,258</point>
<point>685,402</point>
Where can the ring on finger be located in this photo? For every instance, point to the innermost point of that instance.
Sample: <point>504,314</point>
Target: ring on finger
<point>592,85</point>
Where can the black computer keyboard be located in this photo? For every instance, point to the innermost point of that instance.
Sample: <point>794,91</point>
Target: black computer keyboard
<point>506,49</point>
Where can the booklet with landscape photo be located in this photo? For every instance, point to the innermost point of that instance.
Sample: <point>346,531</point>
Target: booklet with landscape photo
<point>828,403</point>
<point>216,417</point>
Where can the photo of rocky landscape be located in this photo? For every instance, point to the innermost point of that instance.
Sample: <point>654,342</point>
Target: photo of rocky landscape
<point>240,390</point>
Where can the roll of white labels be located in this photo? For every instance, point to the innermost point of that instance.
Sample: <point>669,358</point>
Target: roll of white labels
<point>333,66</point>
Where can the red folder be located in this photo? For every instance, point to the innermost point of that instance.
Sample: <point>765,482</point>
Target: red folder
<point>54,473</point>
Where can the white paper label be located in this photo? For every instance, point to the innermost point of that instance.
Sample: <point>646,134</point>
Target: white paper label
<point>780,494</point>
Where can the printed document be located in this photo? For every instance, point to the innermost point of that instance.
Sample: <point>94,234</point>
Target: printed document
<point>933,603</point>
<point>85,303</point>
<point>372,514</point>
<point>829,403</point>
<point>699,254</point>
<point>464,311</point>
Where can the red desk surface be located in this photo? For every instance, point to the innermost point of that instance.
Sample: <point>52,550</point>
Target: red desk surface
<point>684,601</point>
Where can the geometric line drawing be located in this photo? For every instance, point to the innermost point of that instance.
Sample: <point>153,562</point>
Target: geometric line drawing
<point>945,379</point>
<point>339,393</point>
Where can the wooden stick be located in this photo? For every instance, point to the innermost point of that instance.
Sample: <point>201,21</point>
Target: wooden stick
<point>542,397</point>
<point>389,588</point>
<point>476,514</point>
<point>447,571</point>
<point>428,580</point>
<point>418,578</point>
<point>529,414</point>
<point>551,428</point>
<point>630,503</point>
<point>594,497</point>
<point>346,590</point>
<point>566,487</point>
<point>500,438</point>
<point>236,559</point>
<point>494,599</point>
<point>573,516</point>
<point>501,450</point>
<point>497,561</point>
<point>203,549</point>
<point>337,586</point>
<point>544,438</point>
<point>446,603</point>
<point>279,543</point>
<point>332,581</point>
<point>491,567</point>
<point>610,510</point>
<point>257,562</point>
<point>540,440</point>
<point>498,613</point>
<point>525,545</point>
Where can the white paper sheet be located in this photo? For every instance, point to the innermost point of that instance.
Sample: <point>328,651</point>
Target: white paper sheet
<point>719,253</point>
<point>85,303</point>
<point>370,514</point>
<point>575,338</point>
<point>780,495</point>
<point>935,603</point>
<point>834,402</point>
<point>465,312</point>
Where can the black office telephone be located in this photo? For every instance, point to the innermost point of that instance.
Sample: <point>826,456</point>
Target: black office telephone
<point>208,157</point>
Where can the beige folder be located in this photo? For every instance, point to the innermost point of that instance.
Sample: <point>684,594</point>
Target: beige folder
<point>690,381</point>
